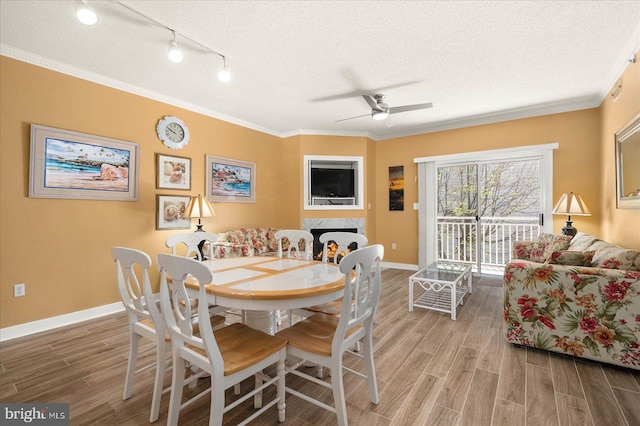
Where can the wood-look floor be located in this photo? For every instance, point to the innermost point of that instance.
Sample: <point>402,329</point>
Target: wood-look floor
<point>431,370</point>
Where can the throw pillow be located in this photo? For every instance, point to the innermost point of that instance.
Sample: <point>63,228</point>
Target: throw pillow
<point>613,257</point>
<point>571,258</point>
<point>522,250</point>
<point>582,242</point>
<point>546,244</point>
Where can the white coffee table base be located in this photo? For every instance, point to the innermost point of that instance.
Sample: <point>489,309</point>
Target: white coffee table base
<point>443,295</point>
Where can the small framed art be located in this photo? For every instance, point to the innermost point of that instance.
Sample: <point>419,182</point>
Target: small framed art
<point>170,212</point>
<point>230,180</point>
<point>173,172</point>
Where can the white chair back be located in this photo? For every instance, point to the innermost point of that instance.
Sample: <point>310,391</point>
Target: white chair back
<point>132,291</point>
<point>176,303</point>
<point>362,289</point>
<point>193,241</point>
<point>343,240</point>
<point>295,237</point>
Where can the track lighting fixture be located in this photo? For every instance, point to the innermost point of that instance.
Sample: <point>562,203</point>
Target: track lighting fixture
<point>86,14</point>
<point>175,54</point>
<point>225,73</point>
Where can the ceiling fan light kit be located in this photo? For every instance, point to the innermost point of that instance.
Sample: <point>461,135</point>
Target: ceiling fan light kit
<point>379,115</point>
<point>380,110</point>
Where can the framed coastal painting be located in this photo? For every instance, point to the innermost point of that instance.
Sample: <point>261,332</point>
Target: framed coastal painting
<point>67,164</point>
<point>170,212</point>
<point>173,172</point>
<point>230,180</point>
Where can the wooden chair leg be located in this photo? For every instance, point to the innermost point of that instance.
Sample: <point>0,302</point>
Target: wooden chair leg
<point>281,387</point>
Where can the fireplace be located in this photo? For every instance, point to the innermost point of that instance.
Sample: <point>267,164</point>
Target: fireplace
<point>320,225</point>
<point>318,246</point>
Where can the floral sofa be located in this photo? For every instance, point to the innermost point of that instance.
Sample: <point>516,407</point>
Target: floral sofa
<point>247,242</point>
<point>579,297</point>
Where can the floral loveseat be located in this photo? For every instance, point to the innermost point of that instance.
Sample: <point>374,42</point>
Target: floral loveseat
<point>577,296</point>
<point>248,242</point>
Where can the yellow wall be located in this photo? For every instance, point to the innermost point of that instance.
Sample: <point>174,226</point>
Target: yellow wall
<point>619,225</point>
<point>60,248</point>
<point>575,168</point>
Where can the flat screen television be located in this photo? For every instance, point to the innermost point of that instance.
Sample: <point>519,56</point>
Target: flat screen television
<point>333,183</point>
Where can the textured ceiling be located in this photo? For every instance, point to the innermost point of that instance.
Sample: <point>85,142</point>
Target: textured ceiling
<point>298,66</point>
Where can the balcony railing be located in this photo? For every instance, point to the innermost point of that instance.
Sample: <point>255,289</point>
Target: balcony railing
<point>457,239</point>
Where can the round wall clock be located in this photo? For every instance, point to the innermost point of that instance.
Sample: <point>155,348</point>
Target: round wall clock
<point>173,132</point>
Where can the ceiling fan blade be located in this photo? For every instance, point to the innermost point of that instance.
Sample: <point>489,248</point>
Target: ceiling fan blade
<point>371,101</point>
<point>351,118</point>
<point>405,108</point>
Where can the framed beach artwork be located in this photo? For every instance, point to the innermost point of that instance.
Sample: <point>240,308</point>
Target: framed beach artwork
<point>173,172</point>
<point>230,180</point>
<point>170,212</point>
<point>66,164</point>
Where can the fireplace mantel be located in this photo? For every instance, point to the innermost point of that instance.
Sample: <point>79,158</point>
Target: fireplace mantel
<point>334,223</point>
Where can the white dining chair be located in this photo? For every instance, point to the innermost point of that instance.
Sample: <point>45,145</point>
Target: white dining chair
<point>324,339</point>
<point>132,267</point>
<point>229,355</point>
<point>194,242</point>
<point>296,238</point>
<point>145,320</point>
<point>344,243</point>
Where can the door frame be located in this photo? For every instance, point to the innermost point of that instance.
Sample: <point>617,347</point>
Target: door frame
<point>428,188</point>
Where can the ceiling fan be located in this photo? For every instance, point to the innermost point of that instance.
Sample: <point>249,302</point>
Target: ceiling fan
<point>380,110</point>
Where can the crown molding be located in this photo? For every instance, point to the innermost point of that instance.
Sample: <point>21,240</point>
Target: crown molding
<point>586,102</point>
<point>43,62</point>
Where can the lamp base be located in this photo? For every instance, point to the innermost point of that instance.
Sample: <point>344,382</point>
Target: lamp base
<point>201,243</point>
<point>569,229</point>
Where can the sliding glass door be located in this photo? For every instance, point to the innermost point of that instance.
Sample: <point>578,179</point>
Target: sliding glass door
<point>482,207</point>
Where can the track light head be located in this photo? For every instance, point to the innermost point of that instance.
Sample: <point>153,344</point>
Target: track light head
<point>86,14</point>
<point>225,73</point>
<point>175,54</point>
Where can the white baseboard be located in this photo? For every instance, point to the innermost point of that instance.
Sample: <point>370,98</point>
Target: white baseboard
<point>46,324</point>
<point>407,266</point>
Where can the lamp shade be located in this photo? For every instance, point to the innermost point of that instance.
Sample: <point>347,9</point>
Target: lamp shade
<point>571,204</point>
<point>199,207</point>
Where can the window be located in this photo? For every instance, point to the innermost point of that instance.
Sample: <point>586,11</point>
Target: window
<point>333,183</point>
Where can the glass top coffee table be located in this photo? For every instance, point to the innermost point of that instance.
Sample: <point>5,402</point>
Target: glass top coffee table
<point>444,285</point>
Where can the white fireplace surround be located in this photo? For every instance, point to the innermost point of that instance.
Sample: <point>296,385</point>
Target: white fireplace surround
<point>334,223</point>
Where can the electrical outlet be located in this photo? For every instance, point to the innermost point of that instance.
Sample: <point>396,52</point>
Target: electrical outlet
<point>18,290</point>
<point>393,246</point>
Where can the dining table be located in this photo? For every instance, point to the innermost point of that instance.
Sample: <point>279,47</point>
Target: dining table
<point>260,285</point>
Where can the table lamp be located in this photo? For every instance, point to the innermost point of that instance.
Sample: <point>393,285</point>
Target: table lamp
<point>199,207</point>
<point>571,204</point>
